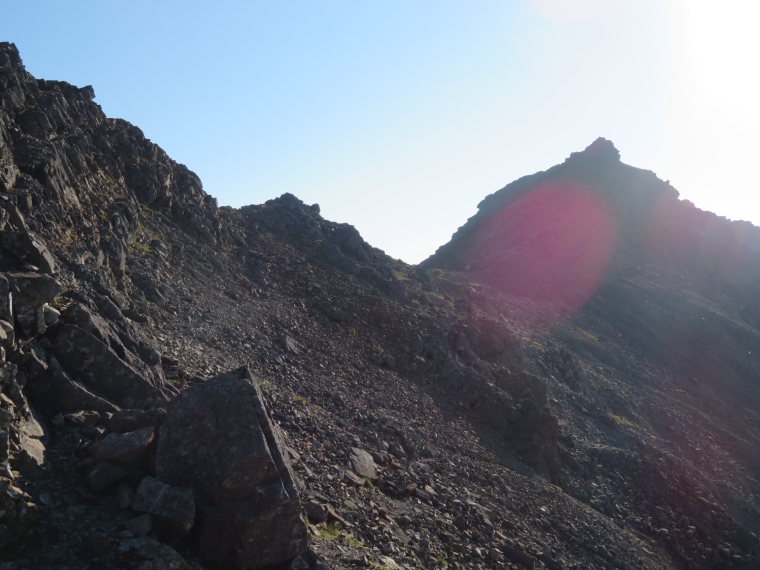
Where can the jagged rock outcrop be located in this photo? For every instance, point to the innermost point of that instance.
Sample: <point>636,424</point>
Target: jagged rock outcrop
<point>84,177</point>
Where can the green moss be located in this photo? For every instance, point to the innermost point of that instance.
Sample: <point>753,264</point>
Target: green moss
<point>142,247</point>
<point>620,420</point>
<point>371,485</point>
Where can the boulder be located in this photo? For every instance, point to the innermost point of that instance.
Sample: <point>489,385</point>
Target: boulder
<point>145,553</point>
<point>6,299</point>
<point>32,290</point>
<point>128,450</point>
<point>30,293</point>
<point>219,440</point>
<point>27,248</point>
<point>362,463</point>
<point>103,475</point>
<point>31,442</point>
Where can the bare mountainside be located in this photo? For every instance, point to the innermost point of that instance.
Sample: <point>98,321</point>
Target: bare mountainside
<point>569,383</point>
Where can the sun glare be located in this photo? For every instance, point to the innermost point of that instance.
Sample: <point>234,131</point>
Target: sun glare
<point>712,116</point>
<point>577,11</point>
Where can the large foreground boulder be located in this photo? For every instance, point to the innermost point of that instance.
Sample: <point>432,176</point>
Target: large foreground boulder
<point>219,441</point>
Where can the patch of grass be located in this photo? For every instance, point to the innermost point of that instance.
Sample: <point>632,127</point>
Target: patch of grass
<point>331,531</point>
<point>535,344</point>
<point>371,486</point>
<point>621,420</point>
<point>351,331</point>
<point>60,302</point>
<point>585,333</point>
<point>400,276</point>
<point>443,299</point>
<point>145,248</point>
<point>442,561</point>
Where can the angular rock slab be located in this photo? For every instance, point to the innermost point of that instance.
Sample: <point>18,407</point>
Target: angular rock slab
<point>126,450</point>
<point>362,463</point>
<point>98,367</point>
<point>219,441</point>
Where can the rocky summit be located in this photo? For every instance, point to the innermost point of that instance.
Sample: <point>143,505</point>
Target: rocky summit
<point>570,383</point>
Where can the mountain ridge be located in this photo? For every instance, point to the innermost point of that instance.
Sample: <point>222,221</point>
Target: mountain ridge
<point>427,416</point>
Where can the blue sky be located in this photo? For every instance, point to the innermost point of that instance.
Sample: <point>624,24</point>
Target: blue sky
<point>399,117</point>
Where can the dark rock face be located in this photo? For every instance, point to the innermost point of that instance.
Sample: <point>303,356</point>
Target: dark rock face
<point>100,368</point>
<point>218,440</point>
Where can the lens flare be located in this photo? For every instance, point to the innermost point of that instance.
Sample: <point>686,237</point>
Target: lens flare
<point>549,247</point>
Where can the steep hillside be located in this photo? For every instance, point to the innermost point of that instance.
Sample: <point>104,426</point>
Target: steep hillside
<point>595,408</point>
<point>651,301</point>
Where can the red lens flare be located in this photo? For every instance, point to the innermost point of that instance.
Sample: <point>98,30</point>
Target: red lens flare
<point>549,247</point>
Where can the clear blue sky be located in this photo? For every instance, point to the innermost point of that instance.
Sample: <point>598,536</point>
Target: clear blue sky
<point>399,117</point>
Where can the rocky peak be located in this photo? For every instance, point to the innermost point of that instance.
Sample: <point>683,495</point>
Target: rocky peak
<point>9,55</point>
<point>647,219</point>
<point>600,149</point>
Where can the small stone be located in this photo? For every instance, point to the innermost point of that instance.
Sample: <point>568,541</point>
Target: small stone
<point>420,494</point>
<point>316,512</point>
<point>397,451</point>
<point>103,476</point>
<point>386,562</point>
<point>50,315</point>
<point>124,496</point>
<point>174,507</point>
<point>139,526</point>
